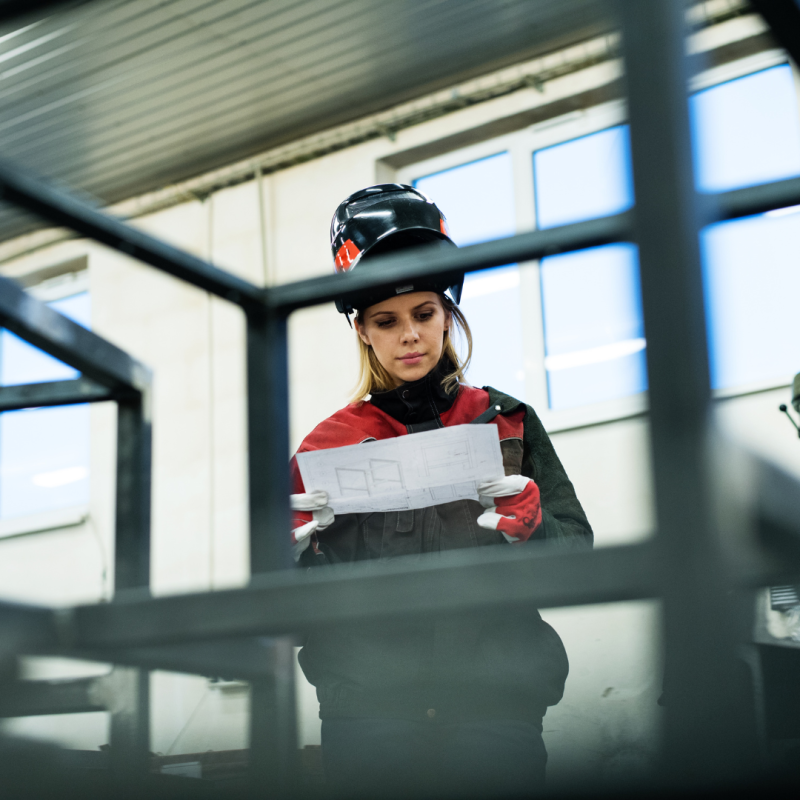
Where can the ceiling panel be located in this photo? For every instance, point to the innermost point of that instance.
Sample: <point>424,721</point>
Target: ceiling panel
<point>119,97</point>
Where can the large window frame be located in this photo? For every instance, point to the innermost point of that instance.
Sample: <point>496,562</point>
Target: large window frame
<point>521,145</point>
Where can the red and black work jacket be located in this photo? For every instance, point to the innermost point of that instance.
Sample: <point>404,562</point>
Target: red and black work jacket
<point>470,667</point>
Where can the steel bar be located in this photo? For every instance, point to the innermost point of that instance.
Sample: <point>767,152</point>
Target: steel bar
<point>273,727</point>
<point>22,626</point>
<point>248,659</point>
<point>130,708</point>
<point>432,261</point>
<point>37,698</point>
<point>752,200</point>
<point>272,698</point>
<point>289,601</point>
<point>11,9</point>
<point>702,728</point>
<point>268,442</point>
<point>783,18</point>
<point>132,528</point>
<point>69,342</point>
<point>128,700</point>
<point>53,393</point>
<point>61,208</point>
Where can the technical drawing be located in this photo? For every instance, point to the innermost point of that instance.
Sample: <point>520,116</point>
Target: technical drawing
<point>440,466</point>
<point>352,482</point>
<point>386,475</point>
<point>442,493</point>
<point>383,476</point>
<point>452,456</point>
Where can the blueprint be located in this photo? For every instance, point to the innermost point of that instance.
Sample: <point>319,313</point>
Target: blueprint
<point>416,471</point>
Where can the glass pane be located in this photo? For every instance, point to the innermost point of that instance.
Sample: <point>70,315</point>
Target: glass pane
<point>594,338</point>
<point>583,178</point>
<point>44,452</point>
<point>752,284</point>
<point>44,459</point>
<point>746,131</point>
<point>478,201</point>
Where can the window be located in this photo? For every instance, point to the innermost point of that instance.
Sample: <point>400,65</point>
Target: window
<point>567,334</point>
<point>594,338</point>
<point>591,305</point>
<point>44,452</point>
<point>583,179</point>
<point>478,201</point>
<point>747,131</point>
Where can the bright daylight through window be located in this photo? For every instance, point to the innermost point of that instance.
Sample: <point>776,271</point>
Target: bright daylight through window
<point>44,452</point>
<point>746,131</point>
<point>494,294</point>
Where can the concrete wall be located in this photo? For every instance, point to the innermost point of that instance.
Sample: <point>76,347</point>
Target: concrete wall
<point>608,721</point>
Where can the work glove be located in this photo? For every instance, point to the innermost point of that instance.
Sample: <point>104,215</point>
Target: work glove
<point>310,514</point>
<point>512,507</point>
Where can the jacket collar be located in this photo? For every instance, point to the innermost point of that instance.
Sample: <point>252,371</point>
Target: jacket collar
<point>418,401</point>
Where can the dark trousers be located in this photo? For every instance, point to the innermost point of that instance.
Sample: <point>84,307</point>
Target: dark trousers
<point>385,758</point>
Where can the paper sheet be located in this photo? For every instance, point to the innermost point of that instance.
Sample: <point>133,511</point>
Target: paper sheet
<point>416,471</point>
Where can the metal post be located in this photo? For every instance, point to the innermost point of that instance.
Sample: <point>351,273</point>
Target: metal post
<point>268,442</point>
<point>130,700</point>
<point>702,733</point>
<point>273,731</point>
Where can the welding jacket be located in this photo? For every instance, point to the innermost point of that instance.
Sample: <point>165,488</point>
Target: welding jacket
<point>472,665</point>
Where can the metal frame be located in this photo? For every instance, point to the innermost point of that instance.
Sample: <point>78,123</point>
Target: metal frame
<point>693,563</point>
<point>108,374</point>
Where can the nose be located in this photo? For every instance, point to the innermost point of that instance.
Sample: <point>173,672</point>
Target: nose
<point>409,332</point>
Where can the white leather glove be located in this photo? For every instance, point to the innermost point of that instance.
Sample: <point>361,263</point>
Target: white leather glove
<point>310,513</point>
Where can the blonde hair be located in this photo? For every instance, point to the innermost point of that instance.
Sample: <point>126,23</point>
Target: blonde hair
<point>374,378</point>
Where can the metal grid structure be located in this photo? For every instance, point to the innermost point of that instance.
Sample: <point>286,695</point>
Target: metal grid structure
<point>725,521</point>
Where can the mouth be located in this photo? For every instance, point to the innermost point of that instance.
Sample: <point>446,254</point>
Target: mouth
<point>411,358</point>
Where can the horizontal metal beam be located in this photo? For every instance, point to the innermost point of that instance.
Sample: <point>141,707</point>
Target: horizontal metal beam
<point>783,18</point>
<point>11,9</point>
<point>252,658</point>
<point>753,200</point>
<point>99,360</point>
<point>64,209</point>
<point>38,698</point>
<point>53,393</point>
<point>26,628</point>
<point>291,601</point>
<point>430,262</point>
<point>434,261</point>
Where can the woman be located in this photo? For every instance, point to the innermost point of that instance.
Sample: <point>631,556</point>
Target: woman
<point>450,704</point>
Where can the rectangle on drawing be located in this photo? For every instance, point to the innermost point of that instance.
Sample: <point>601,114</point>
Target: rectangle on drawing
<point>414,471</point>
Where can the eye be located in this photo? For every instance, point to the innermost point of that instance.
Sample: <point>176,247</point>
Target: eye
<point>425,315</point>
<point>384,323</point>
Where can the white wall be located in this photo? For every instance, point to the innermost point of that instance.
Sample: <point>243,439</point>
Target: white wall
<point>608,721</point>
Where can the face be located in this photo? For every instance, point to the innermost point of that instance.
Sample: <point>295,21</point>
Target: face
<point>406,334</point>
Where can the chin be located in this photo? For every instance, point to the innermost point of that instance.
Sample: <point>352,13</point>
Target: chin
<point>410,374</point>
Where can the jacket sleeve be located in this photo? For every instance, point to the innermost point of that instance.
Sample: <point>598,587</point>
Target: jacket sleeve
<point>563,519</point>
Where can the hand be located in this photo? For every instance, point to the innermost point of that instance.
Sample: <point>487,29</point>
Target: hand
<point>310,513</point>
<point>513,507</point>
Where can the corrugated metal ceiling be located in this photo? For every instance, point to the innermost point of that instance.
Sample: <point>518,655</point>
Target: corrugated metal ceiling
<point>119,97</point>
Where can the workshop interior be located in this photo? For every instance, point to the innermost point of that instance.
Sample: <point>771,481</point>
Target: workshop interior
<point>617,194</point>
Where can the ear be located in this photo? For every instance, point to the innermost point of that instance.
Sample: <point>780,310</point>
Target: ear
<point>448,318</point>
<point>360,332</point>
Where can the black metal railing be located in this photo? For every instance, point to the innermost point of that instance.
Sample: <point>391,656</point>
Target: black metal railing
<point>688,563</point>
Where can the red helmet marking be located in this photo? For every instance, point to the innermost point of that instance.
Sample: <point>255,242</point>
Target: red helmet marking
<point>443,227</point>
<point>347,254</point>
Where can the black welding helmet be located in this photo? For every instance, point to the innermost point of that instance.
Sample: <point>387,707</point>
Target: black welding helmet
<point>383,219</point>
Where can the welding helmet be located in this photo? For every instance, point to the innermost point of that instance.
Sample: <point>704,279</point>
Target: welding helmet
<point>383,219</point>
